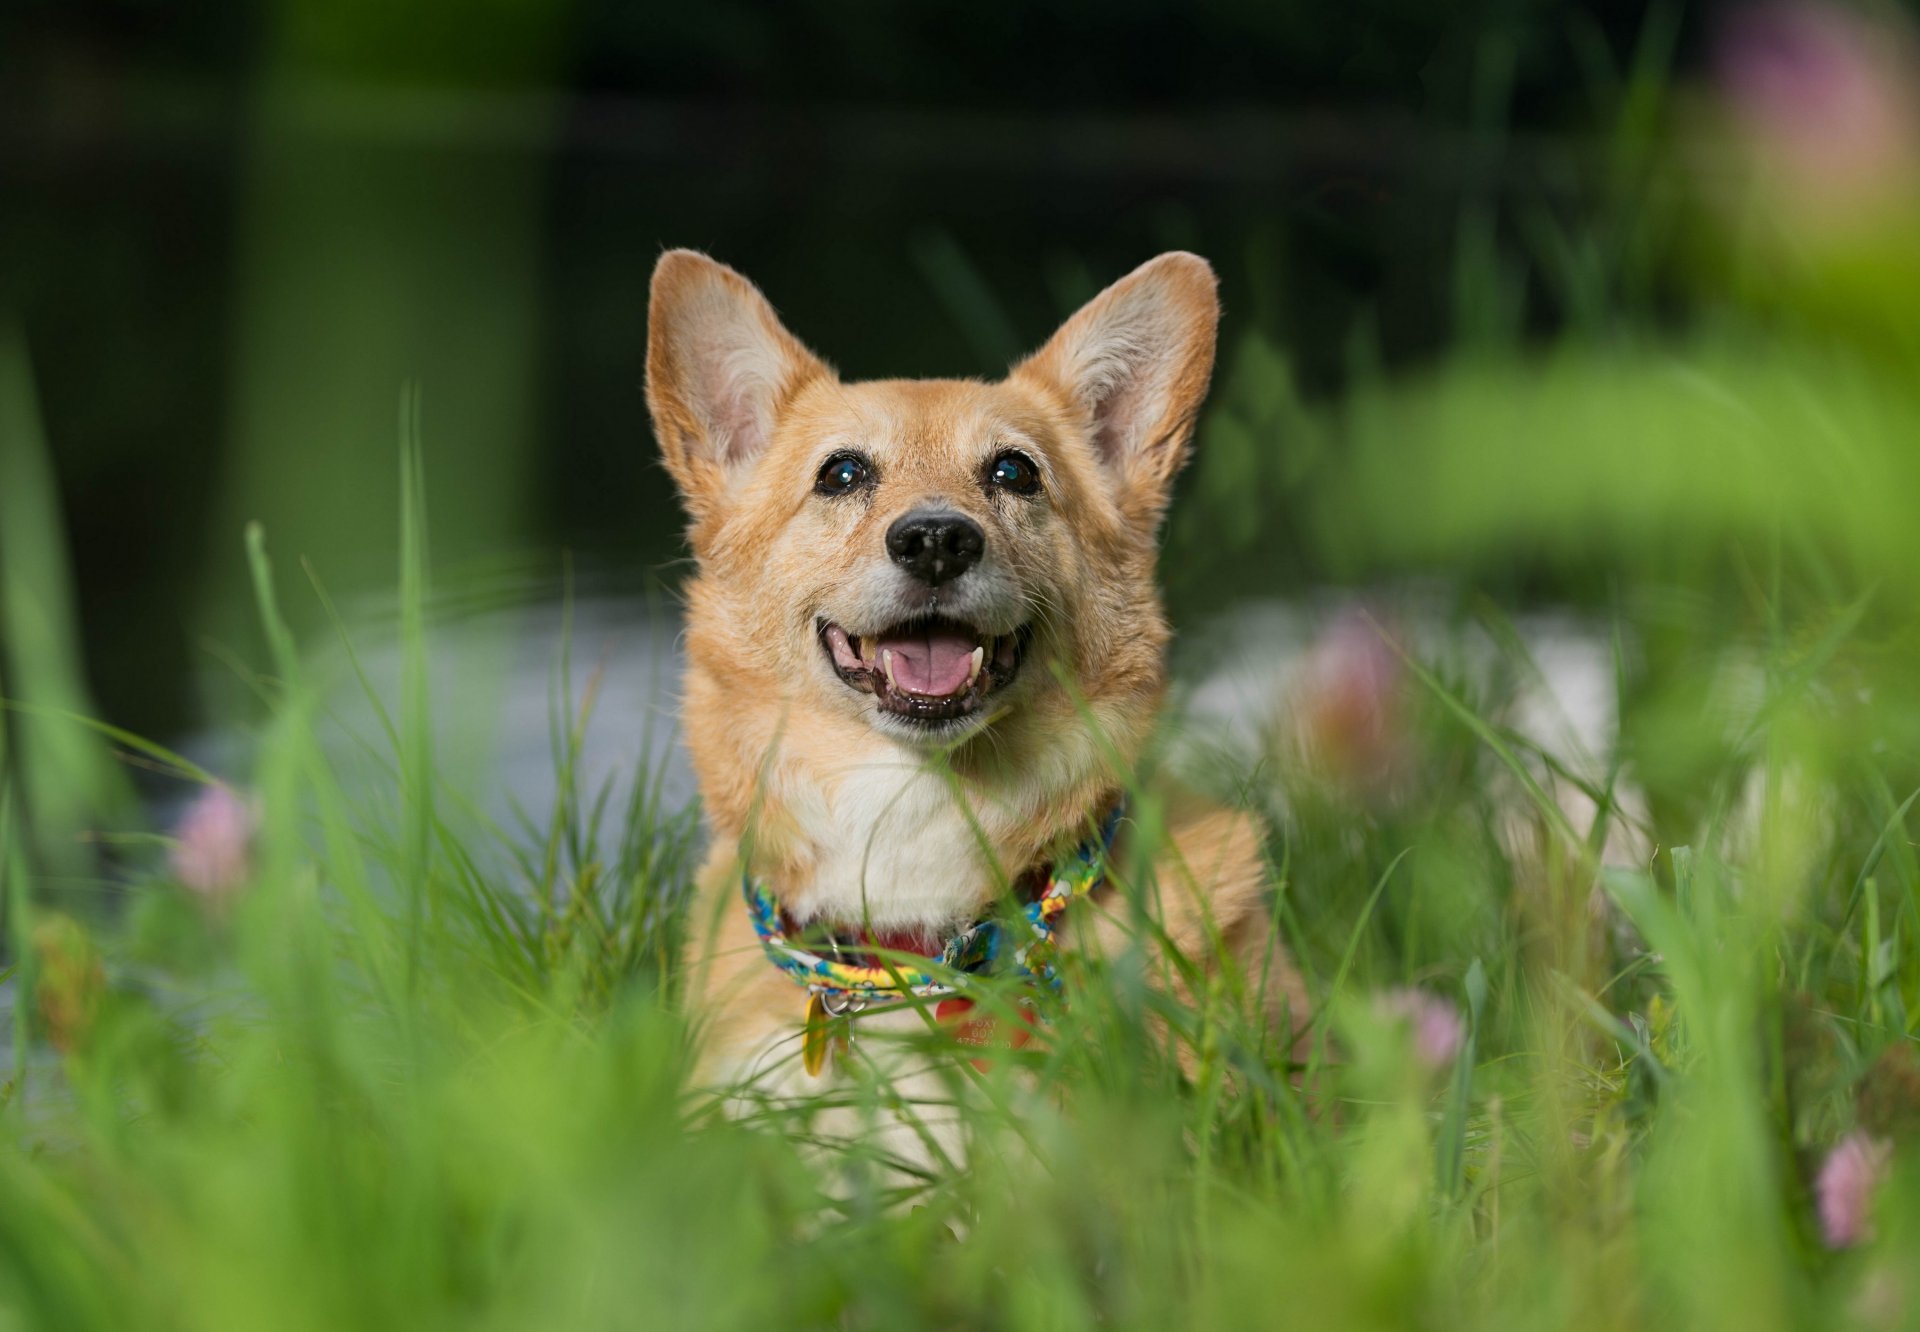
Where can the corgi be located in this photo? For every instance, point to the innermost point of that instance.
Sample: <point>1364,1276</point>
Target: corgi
<point>924,643</point>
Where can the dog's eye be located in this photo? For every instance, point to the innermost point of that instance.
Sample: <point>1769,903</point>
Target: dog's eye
<point>841,473</point>
<point>1015,472</point>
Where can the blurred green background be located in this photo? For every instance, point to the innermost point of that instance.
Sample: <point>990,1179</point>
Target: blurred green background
<point>231,234</point>
<point>1571,365</point>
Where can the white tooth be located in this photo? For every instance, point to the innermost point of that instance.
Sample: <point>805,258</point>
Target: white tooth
<point>886,662</point>
<point>973,671</point>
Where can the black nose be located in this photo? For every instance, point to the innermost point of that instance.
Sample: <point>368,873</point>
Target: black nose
<point>935,547</point>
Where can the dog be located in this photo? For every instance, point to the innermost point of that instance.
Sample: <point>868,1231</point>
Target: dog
<point>925,648</point>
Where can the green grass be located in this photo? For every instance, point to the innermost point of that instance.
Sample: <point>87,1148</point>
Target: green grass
<point>427,1071</point>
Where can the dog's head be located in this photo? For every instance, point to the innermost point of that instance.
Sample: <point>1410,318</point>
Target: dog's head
<point>927,558</point>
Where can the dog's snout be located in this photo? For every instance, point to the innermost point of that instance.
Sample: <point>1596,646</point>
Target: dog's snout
<point>936,546</point>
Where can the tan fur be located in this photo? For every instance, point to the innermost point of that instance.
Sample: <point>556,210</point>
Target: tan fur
<point>842,815</point>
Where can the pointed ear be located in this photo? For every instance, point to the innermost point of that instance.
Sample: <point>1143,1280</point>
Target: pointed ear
<point>1134,364</point>
<point>719,368</point>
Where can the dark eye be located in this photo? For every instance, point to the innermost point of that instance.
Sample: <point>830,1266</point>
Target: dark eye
<point>1015,472</point>
<point>841,473</point>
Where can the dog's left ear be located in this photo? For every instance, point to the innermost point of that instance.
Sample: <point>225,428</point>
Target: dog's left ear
<point>1133,363</point>
<point>720,366</point>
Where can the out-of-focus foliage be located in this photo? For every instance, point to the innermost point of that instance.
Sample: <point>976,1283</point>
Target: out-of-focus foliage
<point>1612,1033</point>
<point>234,232</point>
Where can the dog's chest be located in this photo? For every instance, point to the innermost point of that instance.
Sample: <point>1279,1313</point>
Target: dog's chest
<point>893,848</point>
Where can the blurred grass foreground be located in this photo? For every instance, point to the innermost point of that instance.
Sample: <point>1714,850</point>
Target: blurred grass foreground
<point>1615,1021</point>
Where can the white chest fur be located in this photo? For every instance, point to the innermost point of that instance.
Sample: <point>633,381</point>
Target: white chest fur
<point>894,846</point>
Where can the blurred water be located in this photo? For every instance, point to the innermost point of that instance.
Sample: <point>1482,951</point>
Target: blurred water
<point>496,677</point>
<point>504,682</point>
<point>1239,672</point>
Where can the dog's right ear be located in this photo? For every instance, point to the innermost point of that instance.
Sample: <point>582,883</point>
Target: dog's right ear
<point>719,368</point>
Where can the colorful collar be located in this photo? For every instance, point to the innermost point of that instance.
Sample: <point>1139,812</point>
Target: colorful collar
<point>973,950</point>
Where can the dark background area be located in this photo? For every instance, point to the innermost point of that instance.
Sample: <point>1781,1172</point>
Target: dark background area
<point>921,189</point>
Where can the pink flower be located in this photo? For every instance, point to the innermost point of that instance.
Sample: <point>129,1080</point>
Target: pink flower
<point>1845,1188</point>
<point>210,852</point>
<point>1437,1028</point>
<point>1349,705</point>
<point>1827,97</point>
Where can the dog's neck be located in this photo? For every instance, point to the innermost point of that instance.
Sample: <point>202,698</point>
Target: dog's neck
<point>895,843</point>
<point>854,829</point>
<point>893,847</point>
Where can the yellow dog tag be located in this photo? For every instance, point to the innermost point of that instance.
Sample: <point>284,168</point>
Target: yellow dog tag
<point>820,1036</point>
<point>813,1046</point>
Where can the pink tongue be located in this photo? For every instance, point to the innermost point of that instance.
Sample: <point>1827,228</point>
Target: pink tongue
<point>934,665</point>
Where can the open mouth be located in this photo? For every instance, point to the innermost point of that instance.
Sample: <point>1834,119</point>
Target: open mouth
<point>927,670</point>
